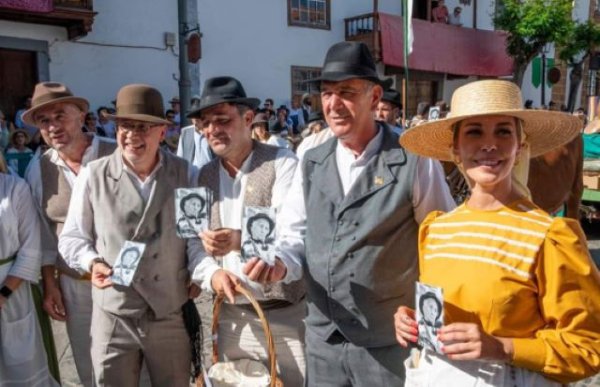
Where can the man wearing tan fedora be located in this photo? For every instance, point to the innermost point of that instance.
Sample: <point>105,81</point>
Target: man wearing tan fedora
<point>123,198</point>
<point>351,229</point>
<point>246,173</point>
<point>67,294</point>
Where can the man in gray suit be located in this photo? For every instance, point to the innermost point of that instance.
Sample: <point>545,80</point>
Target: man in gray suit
<point>129,196</point>
<point>351,225</point>
<point>193,145</point>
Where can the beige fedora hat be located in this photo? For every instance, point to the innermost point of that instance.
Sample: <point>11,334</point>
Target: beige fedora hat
<point>545,130</point>
<point>48,93</point>
<point>140,103</point>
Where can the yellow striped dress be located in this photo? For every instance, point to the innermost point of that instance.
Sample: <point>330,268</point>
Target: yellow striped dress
<point>519,273</point>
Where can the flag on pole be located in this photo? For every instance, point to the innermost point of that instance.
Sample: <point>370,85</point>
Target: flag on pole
<point>408,30</point>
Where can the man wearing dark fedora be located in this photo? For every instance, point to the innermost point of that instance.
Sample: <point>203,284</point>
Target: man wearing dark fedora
<point>389,108</point>
<point>129,196</point>
<point>351,229</point>
<point>67,294</point>
<point>246,173</point>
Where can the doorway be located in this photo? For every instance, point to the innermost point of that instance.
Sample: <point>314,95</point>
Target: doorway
<point>18,76</point>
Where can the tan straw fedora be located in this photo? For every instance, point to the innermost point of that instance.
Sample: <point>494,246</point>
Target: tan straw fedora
<point>545,130</point>
<point>140,103</point>
<point>48,93</point>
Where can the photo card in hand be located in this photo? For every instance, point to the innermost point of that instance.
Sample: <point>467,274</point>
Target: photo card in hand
<point>127,263</point>
<point>258,234</point>
<point>192,209</point>
<point>430,315</point>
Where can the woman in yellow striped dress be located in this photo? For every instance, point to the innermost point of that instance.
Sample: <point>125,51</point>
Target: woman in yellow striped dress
<point>521,293</point>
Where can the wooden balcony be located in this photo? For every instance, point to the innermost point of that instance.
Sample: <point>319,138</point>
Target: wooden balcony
<point>77,16</point>
<point>437,48</point>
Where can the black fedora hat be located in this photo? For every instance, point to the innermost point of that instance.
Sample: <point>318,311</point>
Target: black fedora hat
<point>315,116</point>
<point>219,90</point>
<point>393,97</point>
<point>347,60</point>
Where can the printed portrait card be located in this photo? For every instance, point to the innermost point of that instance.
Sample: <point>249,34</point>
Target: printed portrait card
<point>192,209</point>
<point>429,315</point>
<point>127,263</point>
<point>258,234</point>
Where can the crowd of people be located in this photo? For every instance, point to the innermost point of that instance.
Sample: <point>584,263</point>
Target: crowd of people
<point>362,212</point>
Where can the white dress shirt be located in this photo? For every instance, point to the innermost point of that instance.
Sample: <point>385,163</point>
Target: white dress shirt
<point>430,192</point>
<point>33,176</point>
<point>18,219</point>
<point>77,242</point>
<point>231,198</point>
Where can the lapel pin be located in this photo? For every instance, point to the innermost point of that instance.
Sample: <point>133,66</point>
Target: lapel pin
<point>378,180</point>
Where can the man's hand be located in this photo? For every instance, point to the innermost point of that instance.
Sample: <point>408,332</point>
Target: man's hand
<point>224,282</point>
<point>53,302</point>
<point>101,275</point>
<point>193,291</point>
<point>259,271</point>
<point>220,242</point>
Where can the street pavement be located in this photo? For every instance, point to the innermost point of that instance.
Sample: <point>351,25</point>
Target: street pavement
<point>204,304</point>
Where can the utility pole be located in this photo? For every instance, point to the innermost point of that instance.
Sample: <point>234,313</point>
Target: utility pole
<point>184,74</point>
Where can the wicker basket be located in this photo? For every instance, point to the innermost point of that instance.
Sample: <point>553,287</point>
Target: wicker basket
<point>275,381</point>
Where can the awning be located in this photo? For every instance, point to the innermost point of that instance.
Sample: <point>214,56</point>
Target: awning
<point>443,48</point>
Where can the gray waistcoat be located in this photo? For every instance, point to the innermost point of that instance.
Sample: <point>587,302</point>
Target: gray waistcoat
<point>261,178</point>
<point>120,215</point>
<point>56,195</point>
<point>361,249</point>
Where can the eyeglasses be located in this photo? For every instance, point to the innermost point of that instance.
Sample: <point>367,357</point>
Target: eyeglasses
<point>136,127</point>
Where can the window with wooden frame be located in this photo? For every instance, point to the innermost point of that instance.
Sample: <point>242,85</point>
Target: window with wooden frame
<point>310,13</point>
<point>300,74</point>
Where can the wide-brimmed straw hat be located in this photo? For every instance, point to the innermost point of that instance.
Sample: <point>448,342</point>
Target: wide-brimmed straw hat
<point>222,90</point>
<point>348,60</point>
<point>48,93</point>
<point>544,130</point>
<point>140,102</point>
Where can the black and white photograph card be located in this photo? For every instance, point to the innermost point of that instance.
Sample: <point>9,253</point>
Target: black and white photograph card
<point>127,263</point>
<point>192,209</point>
<point>258,234</point>
<point>430,315</point>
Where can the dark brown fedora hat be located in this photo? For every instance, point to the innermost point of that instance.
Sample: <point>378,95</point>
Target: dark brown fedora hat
<point>48,93</point>
<point>348,60</point>
<point>140,103</point>
<point>222,90</point>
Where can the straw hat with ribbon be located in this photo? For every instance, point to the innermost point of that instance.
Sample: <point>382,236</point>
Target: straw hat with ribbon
<point>48,93</point>
<point>140,103</point>
<point>543,130</point>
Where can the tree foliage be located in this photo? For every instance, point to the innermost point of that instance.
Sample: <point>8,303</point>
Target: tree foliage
<point>578,44</point>
<point>531,24</point>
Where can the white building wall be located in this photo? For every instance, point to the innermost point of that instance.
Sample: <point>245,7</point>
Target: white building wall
<point>125,46</point>
<point>256,45</point>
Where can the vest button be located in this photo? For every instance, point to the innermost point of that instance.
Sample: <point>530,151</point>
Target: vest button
<point>351,274</point>
<point>354,321</point>
<point>155,256</point>
<point>356,223</point>
<point>156,277</point>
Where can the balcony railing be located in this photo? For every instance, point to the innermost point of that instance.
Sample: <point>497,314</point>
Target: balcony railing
<point>77,16</point>
<point>361,27</point>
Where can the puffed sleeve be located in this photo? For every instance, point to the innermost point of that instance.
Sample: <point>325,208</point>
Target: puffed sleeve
<point>568,347</point>
<point>423,231</point>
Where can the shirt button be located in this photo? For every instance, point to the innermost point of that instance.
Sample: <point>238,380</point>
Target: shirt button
<point>353,238</point>
<point>337,239</point>
<point>331,272</point>
<point>332,290</point>
<point>341,222</point>
<point>350,255</point>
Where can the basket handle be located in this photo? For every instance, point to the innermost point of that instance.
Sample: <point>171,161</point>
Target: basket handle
<point>239,288</point>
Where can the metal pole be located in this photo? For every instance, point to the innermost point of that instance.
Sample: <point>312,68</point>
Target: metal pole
<point>185,84</point>
<point>543,77</point>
